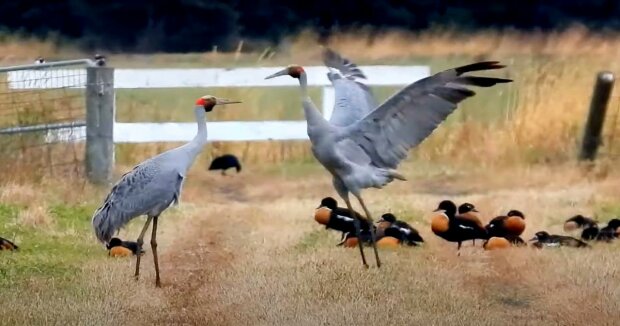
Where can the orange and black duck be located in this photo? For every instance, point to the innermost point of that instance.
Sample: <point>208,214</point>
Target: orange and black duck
<point>543,239</point>
<point>450,227</point>
<point>469,212</point>
<point>400,230</point>
<point>503,242</point>
<point>579,222</point>
<point>508,226</point>
<point>7,245</point>
<point>119,248</point>
<point>337,218</point>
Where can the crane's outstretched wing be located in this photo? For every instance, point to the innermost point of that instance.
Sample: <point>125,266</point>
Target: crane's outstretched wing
<point>353,99</point>
<point>408,117</point>
<point>144,189</point>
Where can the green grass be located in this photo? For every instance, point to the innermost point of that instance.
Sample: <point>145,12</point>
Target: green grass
<point>57,251</point>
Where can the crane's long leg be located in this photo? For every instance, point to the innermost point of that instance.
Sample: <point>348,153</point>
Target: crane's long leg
<point>154,248</point>
<point>140,242</point>
<point>372,230</point>
<point>357,230</point>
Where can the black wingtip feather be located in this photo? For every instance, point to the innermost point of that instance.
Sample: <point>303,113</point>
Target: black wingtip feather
<point>484,65</point>
<point>482,81</point>
<point>347,68</point>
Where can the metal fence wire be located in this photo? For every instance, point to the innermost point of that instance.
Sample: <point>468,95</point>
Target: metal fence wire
<point>42,114</point>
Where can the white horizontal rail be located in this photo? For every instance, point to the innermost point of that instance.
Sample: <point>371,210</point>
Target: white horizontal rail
<point>212,77</point>
<point>185,131</point>
<point>216,77</point>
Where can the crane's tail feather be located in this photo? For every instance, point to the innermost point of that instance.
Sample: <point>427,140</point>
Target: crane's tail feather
<point>396,175</point>
<point>106,221</point>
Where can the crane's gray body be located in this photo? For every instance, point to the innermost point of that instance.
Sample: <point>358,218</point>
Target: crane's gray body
<point>361,146</point>
<point>150,187</point>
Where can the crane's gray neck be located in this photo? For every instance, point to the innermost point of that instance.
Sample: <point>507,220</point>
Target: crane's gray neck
<point>312,114</point>
<point>196,145</point>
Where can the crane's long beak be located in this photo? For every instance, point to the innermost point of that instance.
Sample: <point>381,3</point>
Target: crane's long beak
<point>220,101</point>
<point>279,73</point>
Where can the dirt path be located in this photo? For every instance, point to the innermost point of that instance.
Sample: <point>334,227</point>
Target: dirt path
<point>245,263</point>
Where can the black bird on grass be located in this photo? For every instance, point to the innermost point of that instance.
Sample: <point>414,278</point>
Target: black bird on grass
<point>225,162</point>
<point>7,245</point>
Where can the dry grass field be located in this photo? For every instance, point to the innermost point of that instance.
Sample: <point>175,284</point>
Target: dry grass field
<point>245,250</point>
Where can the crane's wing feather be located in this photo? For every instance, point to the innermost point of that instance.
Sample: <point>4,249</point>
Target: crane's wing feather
<point>409,116</point>
<point>145,189</point>
<point>353,99</point>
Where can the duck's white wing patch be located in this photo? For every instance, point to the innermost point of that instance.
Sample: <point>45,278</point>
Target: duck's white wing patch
<point>345,218</point>
<point>465,227</point>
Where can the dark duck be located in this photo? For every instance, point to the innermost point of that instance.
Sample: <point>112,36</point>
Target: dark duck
<point>390,226</point>
<point>119,248</point>
<point>543,239</point>
<point>450,227</point>
<point>338,218</point>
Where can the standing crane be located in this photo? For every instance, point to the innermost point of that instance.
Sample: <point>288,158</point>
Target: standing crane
<point>152,186</point>
<point>367,152</point>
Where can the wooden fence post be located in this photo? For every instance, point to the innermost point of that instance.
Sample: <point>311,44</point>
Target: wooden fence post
<point>99,124</point>
<point>596,117</point>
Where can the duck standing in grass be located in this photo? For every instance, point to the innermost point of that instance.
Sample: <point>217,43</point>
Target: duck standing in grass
<point>509,226</point>
<point>389,226</point>
<point>119,248</point>
<point>578,222</point>
<point>337,218</point>
<point>7,245</point>
<point>469,212</point>
<point>544,239</point>
<point>450,227</point>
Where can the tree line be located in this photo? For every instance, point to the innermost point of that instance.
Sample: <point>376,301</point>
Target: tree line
<point>198,25</point>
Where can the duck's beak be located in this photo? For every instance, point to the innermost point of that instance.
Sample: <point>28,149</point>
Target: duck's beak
<point>474,210</point>
<point>221,101</point>
<point>279,73</point>
<point>533,239</point>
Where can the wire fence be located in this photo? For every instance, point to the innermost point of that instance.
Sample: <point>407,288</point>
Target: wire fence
<point>39,111</point>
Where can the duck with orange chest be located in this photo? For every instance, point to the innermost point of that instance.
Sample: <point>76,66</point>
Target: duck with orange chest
<point>119,248</point>
<point>453,228</point>
<point>509,226</point>
<point>578,222</point>
<point>338,218</point>
<point>390,226</point>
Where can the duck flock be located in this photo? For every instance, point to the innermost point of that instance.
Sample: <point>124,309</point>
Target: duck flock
<point>458,224</point>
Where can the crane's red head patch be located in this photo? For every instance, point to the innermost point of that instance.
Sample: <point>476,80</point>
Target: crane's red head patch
<point>295,71</point>
<point>207,102</point>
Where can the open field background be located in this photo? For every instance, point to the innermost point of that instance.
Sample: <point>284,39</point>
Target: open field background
<point>245,250</point>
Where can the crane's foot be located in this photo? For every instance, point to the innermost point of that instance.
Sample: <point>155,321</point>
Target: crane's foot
<point>157,283</point>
